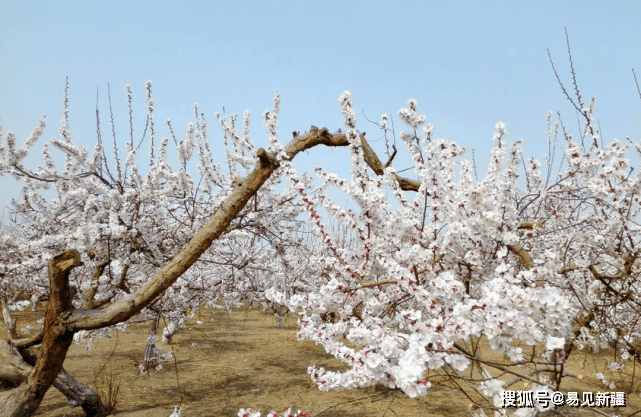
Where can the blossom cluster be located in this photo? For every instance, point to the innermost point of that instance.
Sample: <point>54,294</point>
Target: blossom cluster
<point>424,278</point>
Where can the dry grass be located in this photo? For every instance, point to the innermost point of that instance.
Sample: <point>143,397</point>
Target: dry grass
<point>108,388</point>
<point>243,360</point>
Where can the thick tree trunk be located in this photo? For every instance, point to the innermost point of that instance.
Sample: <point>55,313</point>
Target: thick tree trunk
<point>10,375</point>
<point>21,365</point>
<point>16,370</point>
<point>79,394</point>
<point>25,399</point>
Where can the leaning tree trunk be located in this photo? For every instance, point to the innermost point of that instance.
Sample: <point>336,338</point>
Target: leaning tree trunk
<point>77,393</point>
<point>23,359</point>
<point>25,399</point>
<point>21,362</point>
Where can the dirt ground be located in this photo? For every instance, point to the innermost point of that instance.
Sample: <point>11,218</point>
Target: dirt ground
<point>242,360</point>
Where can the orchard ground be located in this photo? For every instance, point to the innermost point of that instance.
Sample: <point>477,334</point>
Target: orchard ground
<point>242,360</point>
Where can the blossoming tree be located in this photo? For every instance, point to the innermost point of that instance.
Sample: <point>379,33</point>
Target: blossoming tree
<point>536,270</point>
<point>136,237</point>
<point>535,267</point>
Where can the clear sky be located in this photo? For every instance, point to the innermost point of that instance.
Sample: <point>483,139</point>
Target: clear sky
<point>469,63</point>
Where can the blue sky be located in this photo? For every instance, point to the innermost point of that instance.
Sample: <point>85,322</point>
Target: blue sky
<point>468,63</point>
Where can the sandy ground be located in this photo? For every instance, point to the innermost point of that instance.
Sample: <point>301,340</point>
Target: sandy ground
<point>242,360</point>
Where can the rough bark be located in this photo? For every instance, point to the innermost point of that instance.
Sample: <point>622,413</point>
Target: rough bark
<point>8,320</point>
<point>11,376</point>
<point>25,399</point>
<point>14,364</point>
<point>79,394</point>
<point>21,365</point>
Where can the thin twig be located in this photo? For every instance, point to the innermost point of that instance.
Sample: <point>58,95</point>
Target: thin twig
<point>636,82</point>
<point>113,133</point>
<point>576,87</point>
<point>561,84</point>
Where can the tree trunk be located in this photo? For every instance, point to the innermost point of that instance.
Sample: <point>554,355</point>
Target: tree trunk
<point>8,320</point>
<point>79,394</point>
<point>21,365</point>
<point>25,399</point>
<point>150,347</point>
